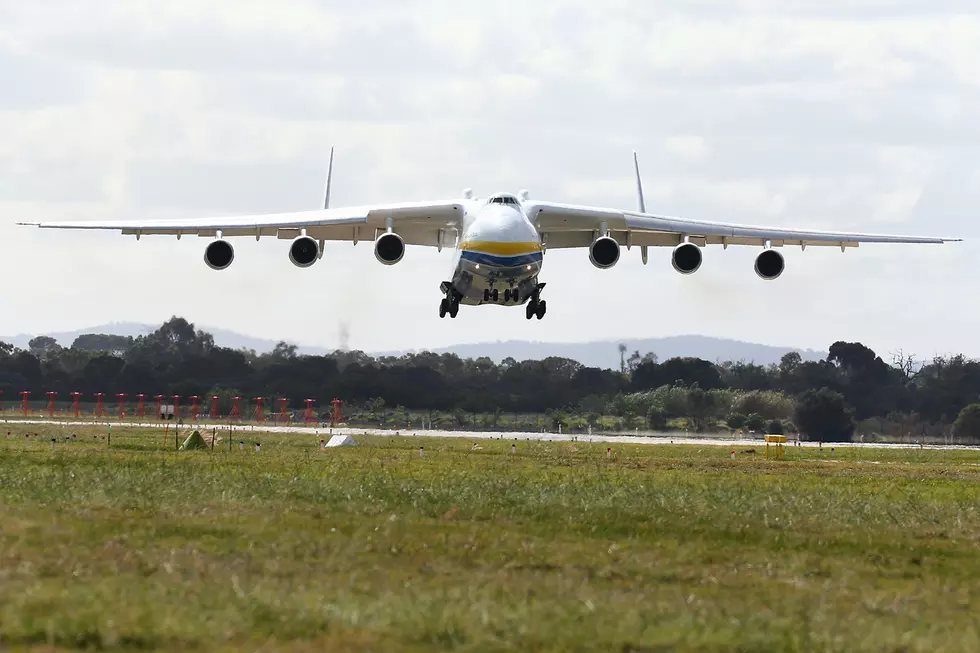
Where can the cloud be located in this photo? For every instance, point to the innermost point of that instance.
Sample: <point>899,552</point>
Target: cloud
<point>790,112</point>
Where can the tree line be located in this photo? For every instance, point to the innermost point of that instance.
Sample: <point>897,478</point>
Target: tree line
<point>850,391</point>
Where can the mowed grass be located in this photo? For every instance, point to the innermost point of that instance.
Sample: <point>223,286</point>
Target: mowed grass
<point>556,547</point>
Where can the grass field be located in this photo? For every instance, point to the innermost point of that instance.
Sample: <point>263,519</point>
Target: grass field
<point>553,548</point>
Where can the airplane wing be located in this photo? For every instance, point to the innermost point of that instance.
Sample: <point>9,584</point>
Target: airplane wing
<point>567,225</point>
<point>418,223</point>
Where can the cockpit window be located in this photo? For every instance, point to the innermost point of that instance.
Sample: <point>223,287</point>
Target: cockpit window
<point>503,199</point>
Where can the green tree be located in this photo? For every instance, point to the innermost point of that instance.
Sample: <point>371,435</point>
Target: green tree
<point>657,419</point>
<point>378,411</point>
<point>823,415</point>
<point>283,351</point>
<point>966,428</point>
<point>43,347</point>
<point>775,427</point>
<point>755,422</point>
<point>769,404</point>
<point>592,419</point>
<point>736,421</point>
<point>115,345</point>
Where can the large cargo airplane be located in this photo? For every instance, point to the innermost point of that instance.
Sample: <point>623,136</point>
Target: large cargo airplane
<point>500,241</point>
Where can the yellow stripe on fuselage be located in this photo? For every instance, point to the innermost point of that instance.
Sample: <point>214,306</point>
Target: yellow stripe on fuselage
<point>500,249</point>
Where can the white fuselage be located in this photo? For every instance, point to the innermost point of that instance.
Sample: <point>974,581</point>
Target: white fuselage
<point>498,249</point>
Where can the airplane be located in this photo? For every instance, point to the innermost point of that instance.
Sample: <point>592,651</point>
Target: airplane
<point>499,241</point>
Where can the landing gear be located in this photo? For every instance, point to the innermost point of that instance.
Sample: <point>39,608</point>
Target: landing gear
<point>449,303</point>
<point>536,307</point>
<point>450,306</point>
<point>512,294</point>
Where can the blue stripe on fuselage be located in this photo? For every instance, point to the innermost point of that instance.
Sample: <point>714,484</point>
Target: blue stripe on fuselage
<point>500,261</point>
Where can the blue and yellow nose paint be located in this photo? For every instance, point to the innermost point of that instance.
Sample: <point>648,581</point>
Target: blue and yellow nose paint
<point>487,252</point>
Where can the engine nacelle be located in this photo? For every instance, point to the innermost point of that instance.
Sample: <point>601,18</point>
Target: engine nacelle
<point>604,252</point>
<point>303,252</point>
<point>389,248</point>
<point>769,264</point>
<point>219,254</point>
<point>686,258</point>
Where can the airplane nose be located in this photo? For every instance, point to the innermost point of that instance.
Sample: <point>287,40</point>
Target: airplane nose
<point>503,224</point>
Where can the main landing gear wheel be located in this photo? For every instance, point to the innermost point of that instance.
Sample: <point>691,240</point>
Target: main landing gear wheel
<point>495,294</point>
<point>448,306</point>
<point>536,308</point>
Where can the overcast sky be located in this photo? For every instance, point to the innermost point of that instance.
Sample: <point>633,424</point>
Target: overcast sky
<point>783,112</point>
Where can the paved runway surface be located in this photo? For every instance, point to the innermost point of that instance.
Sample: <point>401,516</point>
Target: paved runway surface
<point>326,432</point>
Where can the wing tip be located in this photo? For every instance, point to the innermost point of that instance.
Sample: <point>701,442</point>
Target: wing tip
<point>28,224</point>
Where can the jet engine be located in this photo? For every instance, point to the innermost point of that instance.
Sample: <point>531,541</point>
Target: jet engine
<point>219,254</point>
<point>686,258</point>
<point>604,252</point>
<point>389,248</point>
<point>303,252</point>
<point>769,264</point>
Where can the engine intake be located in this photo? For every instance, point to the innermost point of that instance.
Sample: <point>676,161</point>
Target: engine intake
<point>303,252</point>
<point>604,252</point>
<point>769,264</point>
<point>686,258</point>
<point>219,254</point>
<point>389,248</point>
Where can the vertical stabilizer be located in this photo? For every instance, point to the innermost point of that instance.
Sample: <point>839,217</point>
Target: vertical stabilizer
<point>326,198</point>
<point>641,205</point>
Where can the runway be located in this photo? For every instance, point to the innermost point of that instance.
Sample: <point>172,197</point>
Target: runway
<point>326,432</point>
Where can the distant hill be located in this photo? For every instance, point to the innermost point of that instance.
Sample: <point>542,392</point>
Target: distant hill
<point>603,354</point>
<point>222,337</point>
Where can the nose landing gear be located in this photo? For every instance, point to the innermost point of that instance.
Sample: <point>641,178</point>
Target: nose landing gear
<point>493,295</point>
